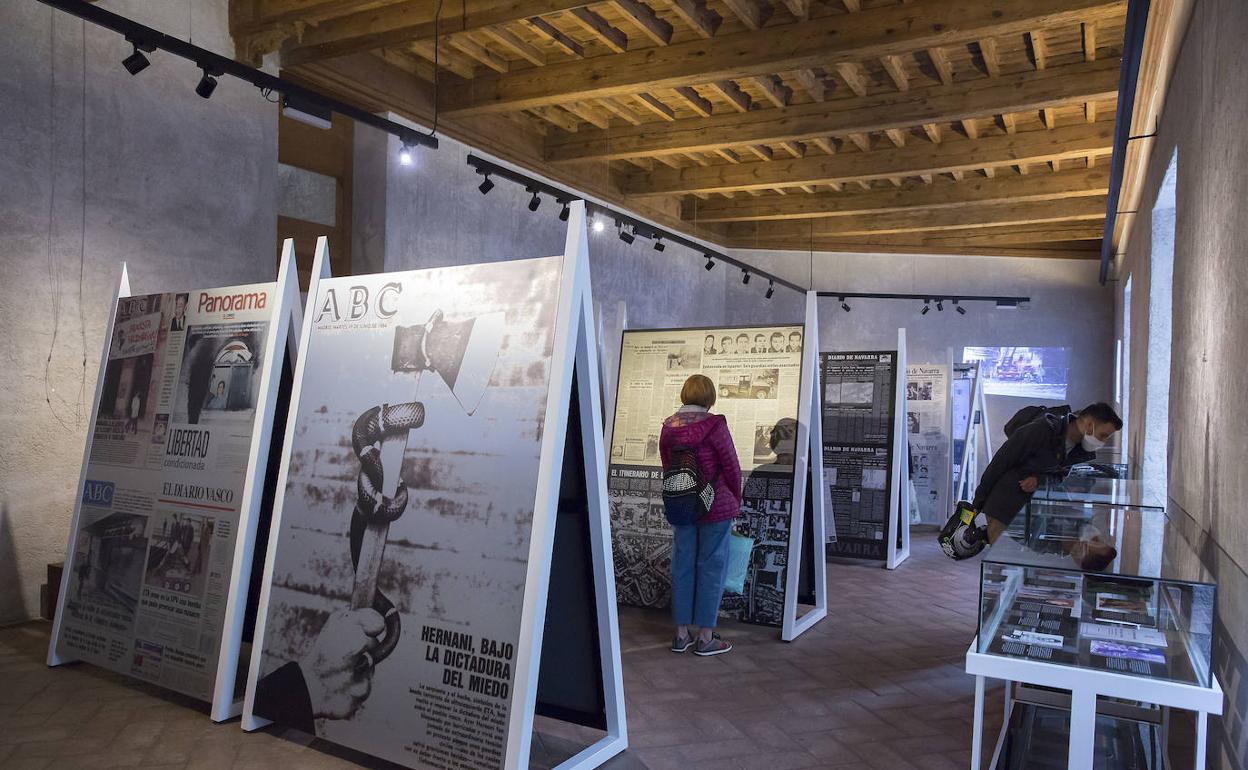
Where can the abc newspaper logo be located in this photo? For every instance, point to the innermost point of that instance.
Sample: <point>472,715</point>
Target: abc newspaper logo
<point>97,493</point>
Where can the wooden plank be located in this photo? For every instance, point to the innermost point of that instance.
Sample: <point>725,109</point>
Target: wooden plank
<point>815,82</point>
<point>645,19</point>
<point>557,117</point>
<point>697,16</point>
<point>988,52</point>
<point>1088,30</point>
<point>933,132</point>
<point>475,50</point>
<point>445,59</point>
<point>862,140</point>
<point>824,143</point>
<point>795,149</point>
<point>1068,184</point>
<point>879,32</point>
<point>620,111</point>
<point>752,13</point>
<point>403,23</point>
<point>517,45</point>
<point>611,37</point>
<point>762,151</point>
<point>739,99</point>
<point>556,36</point>
<point>775,90</point>
<point>971,127</point>
<point>854,76</point>
<point>1039,48</point>
<point>896,136</point>
<point>1020,92</point>
<point>589,114</point>
<point>896,70</point>
<point>1071,141</point>
<point>657,107</point>
<point>728,155</point>
<point>940,62</point>
<point>799,8</point>
<point>694,100</point>
<point>971,216</point>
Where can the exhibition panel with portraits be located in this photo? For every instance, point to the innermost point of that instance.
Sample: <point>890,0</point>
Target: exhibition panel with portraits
<point>160,550</point>
<point>404,600</point>
<point>765,387</point>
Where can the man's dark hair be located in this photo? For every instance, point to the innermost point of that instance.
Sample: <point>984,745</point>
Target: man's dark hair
<point>1102,412</point>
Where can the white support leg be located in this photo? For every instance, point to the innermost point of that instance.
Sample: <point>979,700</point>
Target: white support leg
<point>977,736</point>
<point>1082,729</point>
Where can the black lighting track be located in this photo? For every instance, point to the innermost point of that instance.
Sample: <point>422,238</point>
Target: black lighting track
<point>638,226</point>
<point>1132,50</point>
<point>925,297</point>
<point>147,39</point>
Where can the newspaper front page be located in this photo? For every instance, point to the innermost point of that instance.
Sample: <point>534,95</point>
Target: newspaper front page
<point>757,375</point>
<point>150,565</point>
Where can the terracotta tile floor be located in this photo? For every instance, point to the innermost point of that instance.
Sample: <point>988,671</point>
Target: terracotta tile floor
<point>878,684</point>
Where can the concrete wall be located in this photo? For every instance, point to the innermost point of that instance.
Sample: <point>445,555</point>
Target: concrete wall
<point>1068,309</point>
<point>180,188</point>
<point>1202,124</point>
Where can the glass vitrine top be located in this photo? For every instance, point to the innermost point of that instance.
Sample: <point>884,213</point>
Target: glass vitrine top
<point>1095,490</point>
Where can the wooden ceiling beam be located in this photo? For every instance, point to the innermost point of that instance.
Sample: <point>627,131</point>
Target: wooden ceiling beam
<point>896,70</point>
<point>942,65</point>
<point>815,82</point>
<point>1021,92</point>
<point>600,28</point>
<point>588,113</point>
<point>475,50</point>
<point>870,34</point>
<point>402,23</point>
<point>657,107</point>
<point>799,8</point>
<point>1068,184</point>
<point>1033,146</point>
<point>971,216</point>
<point>645,19</point>
<point>697,16</point>
<point>620,111</point>
<point>739,99</point>
<point>694,100</point>
<point>854,76</point>
<point>775,90</point>
<point>752,13</point>
<point>517,45</point>
<point>556,36</point>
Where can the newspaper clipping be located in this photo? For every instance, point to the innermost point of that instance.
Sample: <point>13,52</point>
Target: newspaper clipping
<point>149,572</point>
<point>400,572</point>
<point>927,428</point>
<point>858,398</point>
<point>757,373</point>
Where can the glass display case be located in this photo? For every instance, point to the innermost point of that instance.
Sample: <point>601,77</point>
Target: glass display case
<point>1101,587</point>
<point>1093,490</point>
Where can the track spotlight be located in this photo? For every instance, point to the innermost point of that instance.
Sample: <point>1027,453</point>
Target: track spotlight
<point>486,185</point>
<point>771,289</point>
<point>565,212</point>
<point>625,235</point>
<point>940,306</point>
<point>844,305</point>
<point>710,264</point>
<point>135,62</point>
<point>535,201</point>
<point>658,244</point>
<point>598,225</point>
<point>927,307</point>
<point>405,156</point>
<point>961,310</point>
<point>745,276</point>
<point>207,84</point>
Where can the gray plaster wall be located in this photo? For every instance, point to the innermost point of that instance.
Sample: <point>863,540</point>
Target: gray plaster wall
<point>95,172</point>
<point>1201,130</point>
<point>1068,309</point>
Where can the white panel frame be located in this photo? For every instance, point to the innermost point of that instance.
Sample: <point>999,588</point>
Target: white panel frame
<point>286,309</point>
<point>574,347</point>
<point>1085,685</point>
<point>899,499</point>
<point>807,458</point>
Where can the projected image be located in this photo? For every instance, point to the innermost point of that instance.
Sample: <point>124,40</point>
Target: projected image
<point>1027,372</point>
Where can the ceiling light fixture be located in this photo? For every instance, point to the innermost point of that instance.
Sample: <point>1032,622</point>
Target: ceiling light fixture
<point>135,62</point>
<point>927,307</point>
<point>405,156</point>
<point>658,244</point>
<point>207,83</point>
<point>844,305</point>
<point>961,310</point>
<point>486,185</point>
<point>598,225</point>
<point>745,276</point>
<point>535,201</point>
<point>565,212</point>
<point>940,306</point>
<point>771,289</point>
<point>625,235</point>
<point>710,263</point>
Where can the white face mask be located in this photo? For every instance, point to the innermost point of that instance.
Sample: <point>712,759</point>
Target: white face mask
<point>1091,443</point>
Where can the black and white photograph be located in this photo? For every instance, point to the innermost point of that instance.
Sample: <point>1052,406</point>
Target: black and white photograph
<point>753,383</point>
<point>107,573</point>
<point>220,375</point>
<point>178,556</point>
<point>438,404</point>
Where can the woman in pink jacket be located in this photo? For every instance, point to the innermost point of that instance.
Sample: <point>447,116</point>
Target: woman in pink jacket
<point>700,551</point>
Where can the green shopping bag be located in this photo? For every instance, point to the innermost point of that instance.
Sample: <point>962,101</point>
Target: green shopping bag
<point>739,548</point>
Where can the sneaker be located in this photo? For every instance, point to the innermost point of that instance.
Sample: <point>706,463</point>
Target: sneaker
<point>717,646</point>
<point>682,643</point>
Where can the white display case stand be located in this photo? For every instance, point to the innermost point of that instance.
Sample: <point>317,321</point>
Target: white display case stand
<point>897,533</point>
<point>574,350</point>
<point>1085,685</point>
<point>808,460</point>
<point>287,314</point>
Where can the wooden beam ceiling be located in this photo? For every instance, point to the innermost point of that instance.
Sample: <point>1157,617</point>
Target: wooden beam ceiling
<point>1022,92</point>
<point>932,126</point>
<point>965,155</point>
<point>870,34</point>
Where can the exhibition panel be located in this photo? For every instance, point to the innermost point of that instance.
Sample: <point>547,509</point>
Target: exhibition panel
<point>405,594</point>
<point>928,430</point>
<point>160,549</point>
<point>758,374</point>
<point>866,454</point>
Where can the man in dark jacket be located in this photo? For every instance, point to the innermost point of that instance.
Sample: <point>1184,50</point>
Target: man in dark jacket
<point>1048,445</point>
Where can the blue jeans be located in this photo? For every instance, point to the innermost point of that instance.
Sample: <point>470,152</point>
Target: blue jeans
<point>699,566</point>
